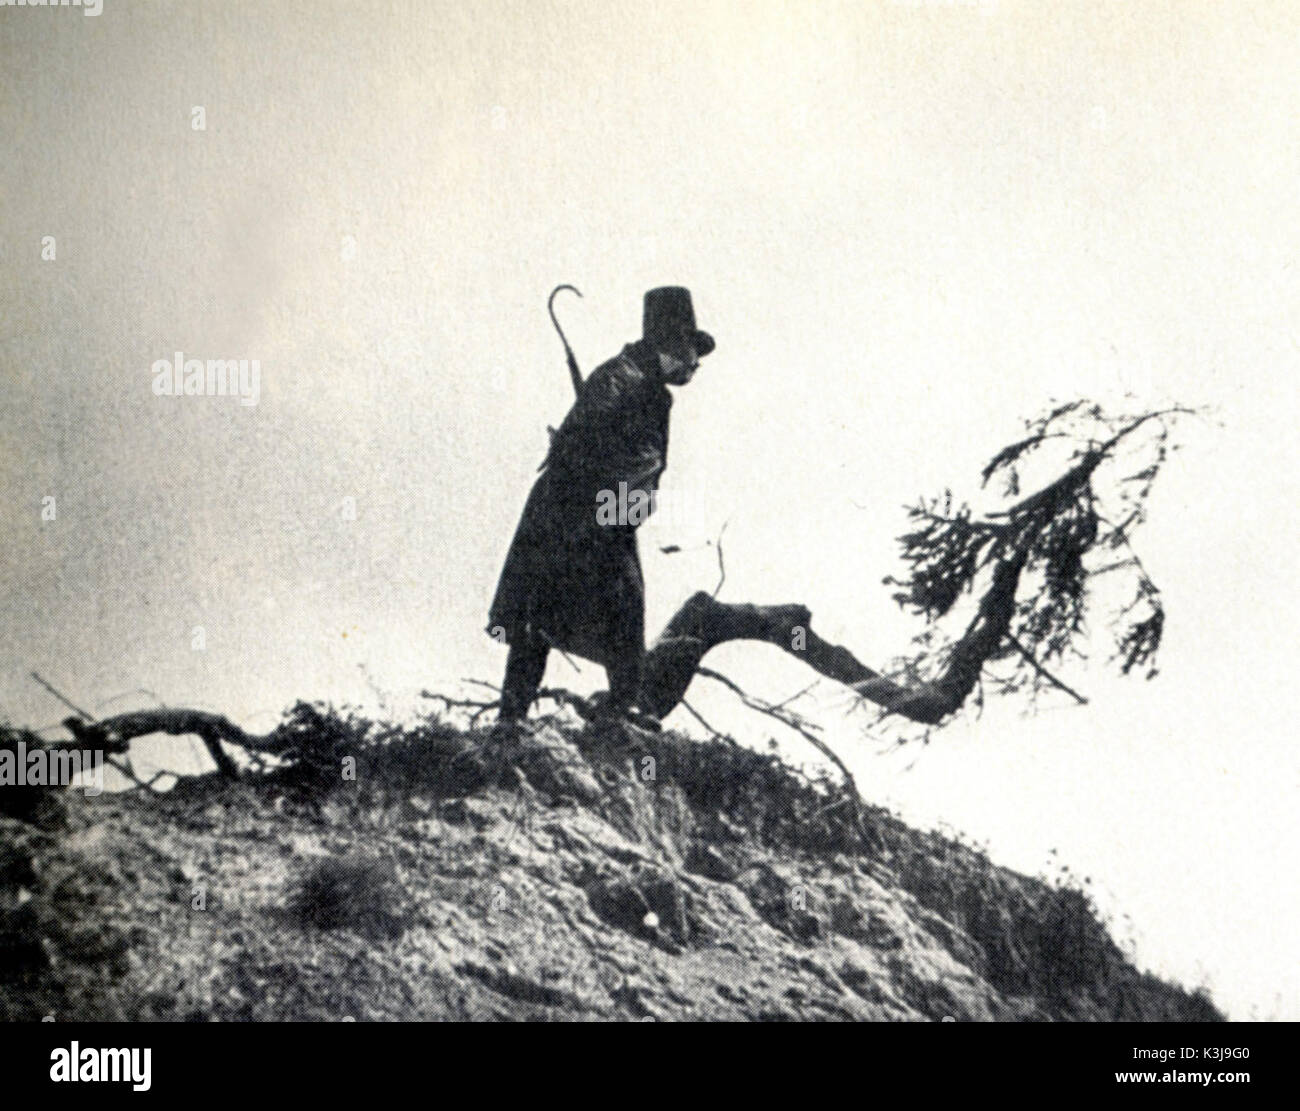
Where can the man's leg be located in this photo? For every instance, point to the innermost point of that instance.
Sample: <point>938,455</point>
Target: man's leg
<point>525,667</point>
<point>624,681</point>
<point>626,654</point>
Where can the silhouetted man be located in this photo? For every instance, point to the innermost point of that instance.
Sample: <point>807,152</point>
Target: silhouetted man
<point>572,579</point>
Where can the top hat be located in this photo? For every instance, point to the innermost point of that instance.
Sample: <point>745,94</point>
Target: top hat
<point>670,315</point>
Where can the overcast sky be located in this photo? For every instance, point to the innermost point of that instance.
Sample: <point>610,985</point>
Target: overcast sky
<point>908,225</point>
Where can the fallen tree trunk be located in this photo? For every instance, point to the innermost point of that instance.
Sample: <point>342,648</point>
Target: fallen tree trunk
<point>113,734</point>
<point>703,623</point>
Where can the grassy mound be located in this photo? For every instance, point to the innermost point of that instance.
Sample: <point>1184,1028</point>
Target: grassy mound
<point>415,812</point>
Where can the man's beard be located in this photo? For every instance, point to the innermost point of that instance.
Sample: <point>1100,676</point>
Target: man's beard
<point>675,371</point>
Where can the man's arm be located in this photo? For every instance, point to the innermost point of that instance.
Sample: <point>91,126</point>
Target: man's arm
<point>604,439</point>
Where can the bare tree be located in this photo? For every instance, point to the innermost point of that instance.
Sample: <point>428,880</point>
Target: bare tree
<point>1028,564</point>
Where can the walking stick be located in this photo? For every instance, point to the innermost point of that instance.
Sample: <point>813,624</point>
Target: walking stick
<point>574,372</point>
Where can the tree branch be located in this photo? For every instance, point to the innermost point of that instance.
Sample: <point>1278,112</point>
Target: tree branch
<point>703,623</point>
<point>1029,659</point>
<point>114,733</point>
<point>789,720</point>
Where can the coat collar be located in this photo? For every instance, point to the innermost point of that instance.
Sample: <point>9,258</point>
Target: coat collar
<point>636,356</point>
<point>643,357</point>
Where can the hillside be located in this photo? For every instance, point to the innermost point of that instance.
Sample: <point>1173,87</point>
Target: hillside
<point>568,878</point>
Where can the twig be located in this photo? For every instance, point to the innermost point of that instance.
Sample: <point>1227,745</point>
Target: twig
<point>124,766</point>
<point>790,721</point>
<point>1118,565</point>
<point>564,697</point>
<point>796,696</point>
<point>700,718</point>
<point>1029,659</point>
<point>785,716</point>
<point>567,658</point>
<point>128,694</point>
<point>823,811</point>
<point>69,705</point>
<point>722,566</point>
<point>559,695</point>
<point>479,706</point>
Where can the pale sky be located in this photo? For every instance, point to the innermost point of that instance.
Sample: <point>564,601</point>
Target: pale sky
<point>908,225</point>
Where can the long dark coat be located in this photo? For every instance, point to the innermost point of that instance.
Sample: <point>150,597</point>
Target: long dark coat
<point>568,578</point>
